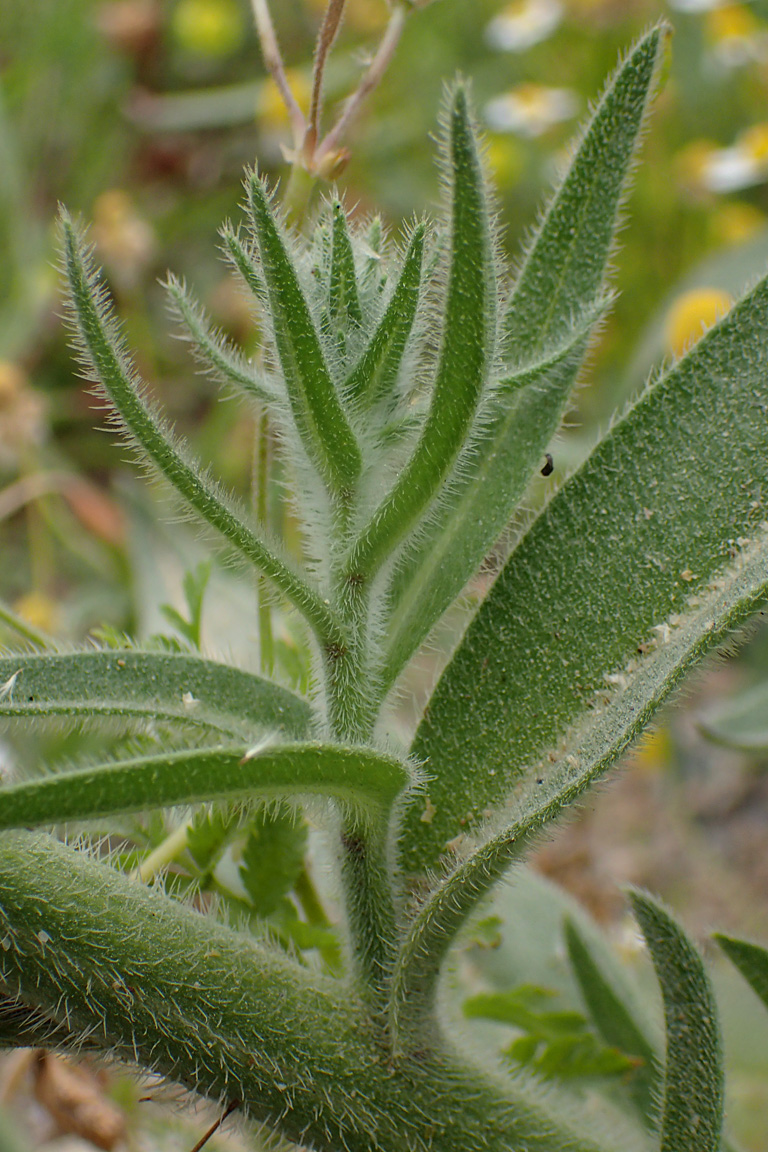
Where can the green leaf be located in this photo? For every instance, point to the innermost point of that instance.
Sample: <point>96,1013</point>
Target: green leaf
<point>317,411</point>
<point>215,352</point>
<point>361,780</point>
<point>740,723</point>
<point>615,559</point>
<point>344,303</point>
<point>104,353</point>
<point>558,296</point>
<point>616,1016</point>
<point>374,376</point>
<point>244,261</point>
<point>467,344</point>
<point>751,960</point>
<point>209,832</point>
<point>692,1111</point>
<point>149,686</point>
<point>594,748</point>
<point>508,451</point>
<point>273,858</point>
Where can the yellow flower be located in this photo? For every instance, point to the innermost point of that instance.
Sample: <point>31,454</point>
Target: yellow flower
<point>270,109</point>
<point>39,611</point>
<point>530,109</point>
<point>692,314</point>
<point>208,27</point>
<point>734,222</point>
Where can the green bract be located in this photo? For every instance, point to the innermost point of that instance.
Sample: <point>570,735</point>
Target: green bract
<point>413,394</point>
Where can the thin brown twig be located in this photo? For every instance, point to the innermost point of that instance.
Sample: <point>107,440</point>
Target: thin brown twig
<point>273,62</point>
<point>328,32</point>
<point>214,1127</point>
<point>370,80</point>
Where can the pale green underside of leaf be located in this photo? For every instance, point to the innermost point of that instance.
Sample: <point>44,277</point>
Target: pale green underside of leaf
<point>741,723</point>
<point>148,686</point>
<point>558,295</point>
<point>363,781</point>
<point>694,1088</point>
<point>653,514</point>
<point>591,751</point>
<point>751,960</point>
<point>616,1014</point>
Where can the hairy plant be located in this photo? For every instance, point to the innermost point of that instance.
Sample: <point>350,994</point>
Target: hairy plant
<point>413,394</point>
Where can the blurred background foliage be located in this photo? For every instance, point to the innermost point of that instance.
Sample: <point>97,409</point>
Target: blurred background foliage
<point>140,115</point>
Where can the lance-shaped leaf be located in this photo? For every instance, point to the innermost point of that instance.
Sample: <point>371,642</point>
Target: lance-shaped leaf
<point>362,780</point>
<point>590,751</point>
<point>343,300</point>
<point>467,344</point>
<point>149,685</point>
<point>105,354</point>
<point>244,261</point>
<point>318,414</point>
<point>374,376</point>
<point>652,515</point>
<point>694,1078</point>
<point>616,1015</point>
<point>560,289</point>
<point>216,353</point>
<point>751,960</point>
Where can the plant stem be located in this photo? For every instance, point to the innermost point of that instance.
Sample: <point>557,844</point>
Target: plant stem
<point>328,32</point>
<point>263,469</point>
<point>273,62</point>
<point>12,620</point>
<point>166,852</point>
<point>306,894</point>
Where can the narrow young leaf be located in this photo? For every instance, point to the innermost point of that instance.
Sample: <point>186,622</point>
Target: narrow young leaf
<point>432,573</point>
<point>558,296</point>
<point>215,352</point>
<point>102,345</point>
<point>694,1079</point>
<point>344,303</point>
<point>467,343</point>
<point>374,376</point>
<point>320,419</point>
<point>616,1016</point>
<point>149,685</point>
<point>751,960</point>
<point>245,262</point>
<point>363,781</point>
<point>650,518</point>
<point>592,749</point>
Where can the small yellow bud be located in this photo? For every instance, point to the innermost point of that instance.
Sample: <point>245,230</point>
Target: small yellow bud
<point>692,314</point>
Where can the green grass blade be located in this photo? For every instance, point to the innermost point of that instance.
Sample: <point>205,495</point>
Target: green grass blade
<point>616,1016</point>
<point>363,781</point>
<point>751,960</point>
<point>558,296</point>
<point>467,343</point>
<point>344,302</point>
<point>104,354</point>
<point>694,1081</point>
<point>319,417</point>
<point>374,376</point>
<point>215,352</point>
<point>432,574</point>
<point>594,749</point>
<point>148,685</point>
<point>649,519</point>
<point>740,723</point>
<point>564,270</point>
